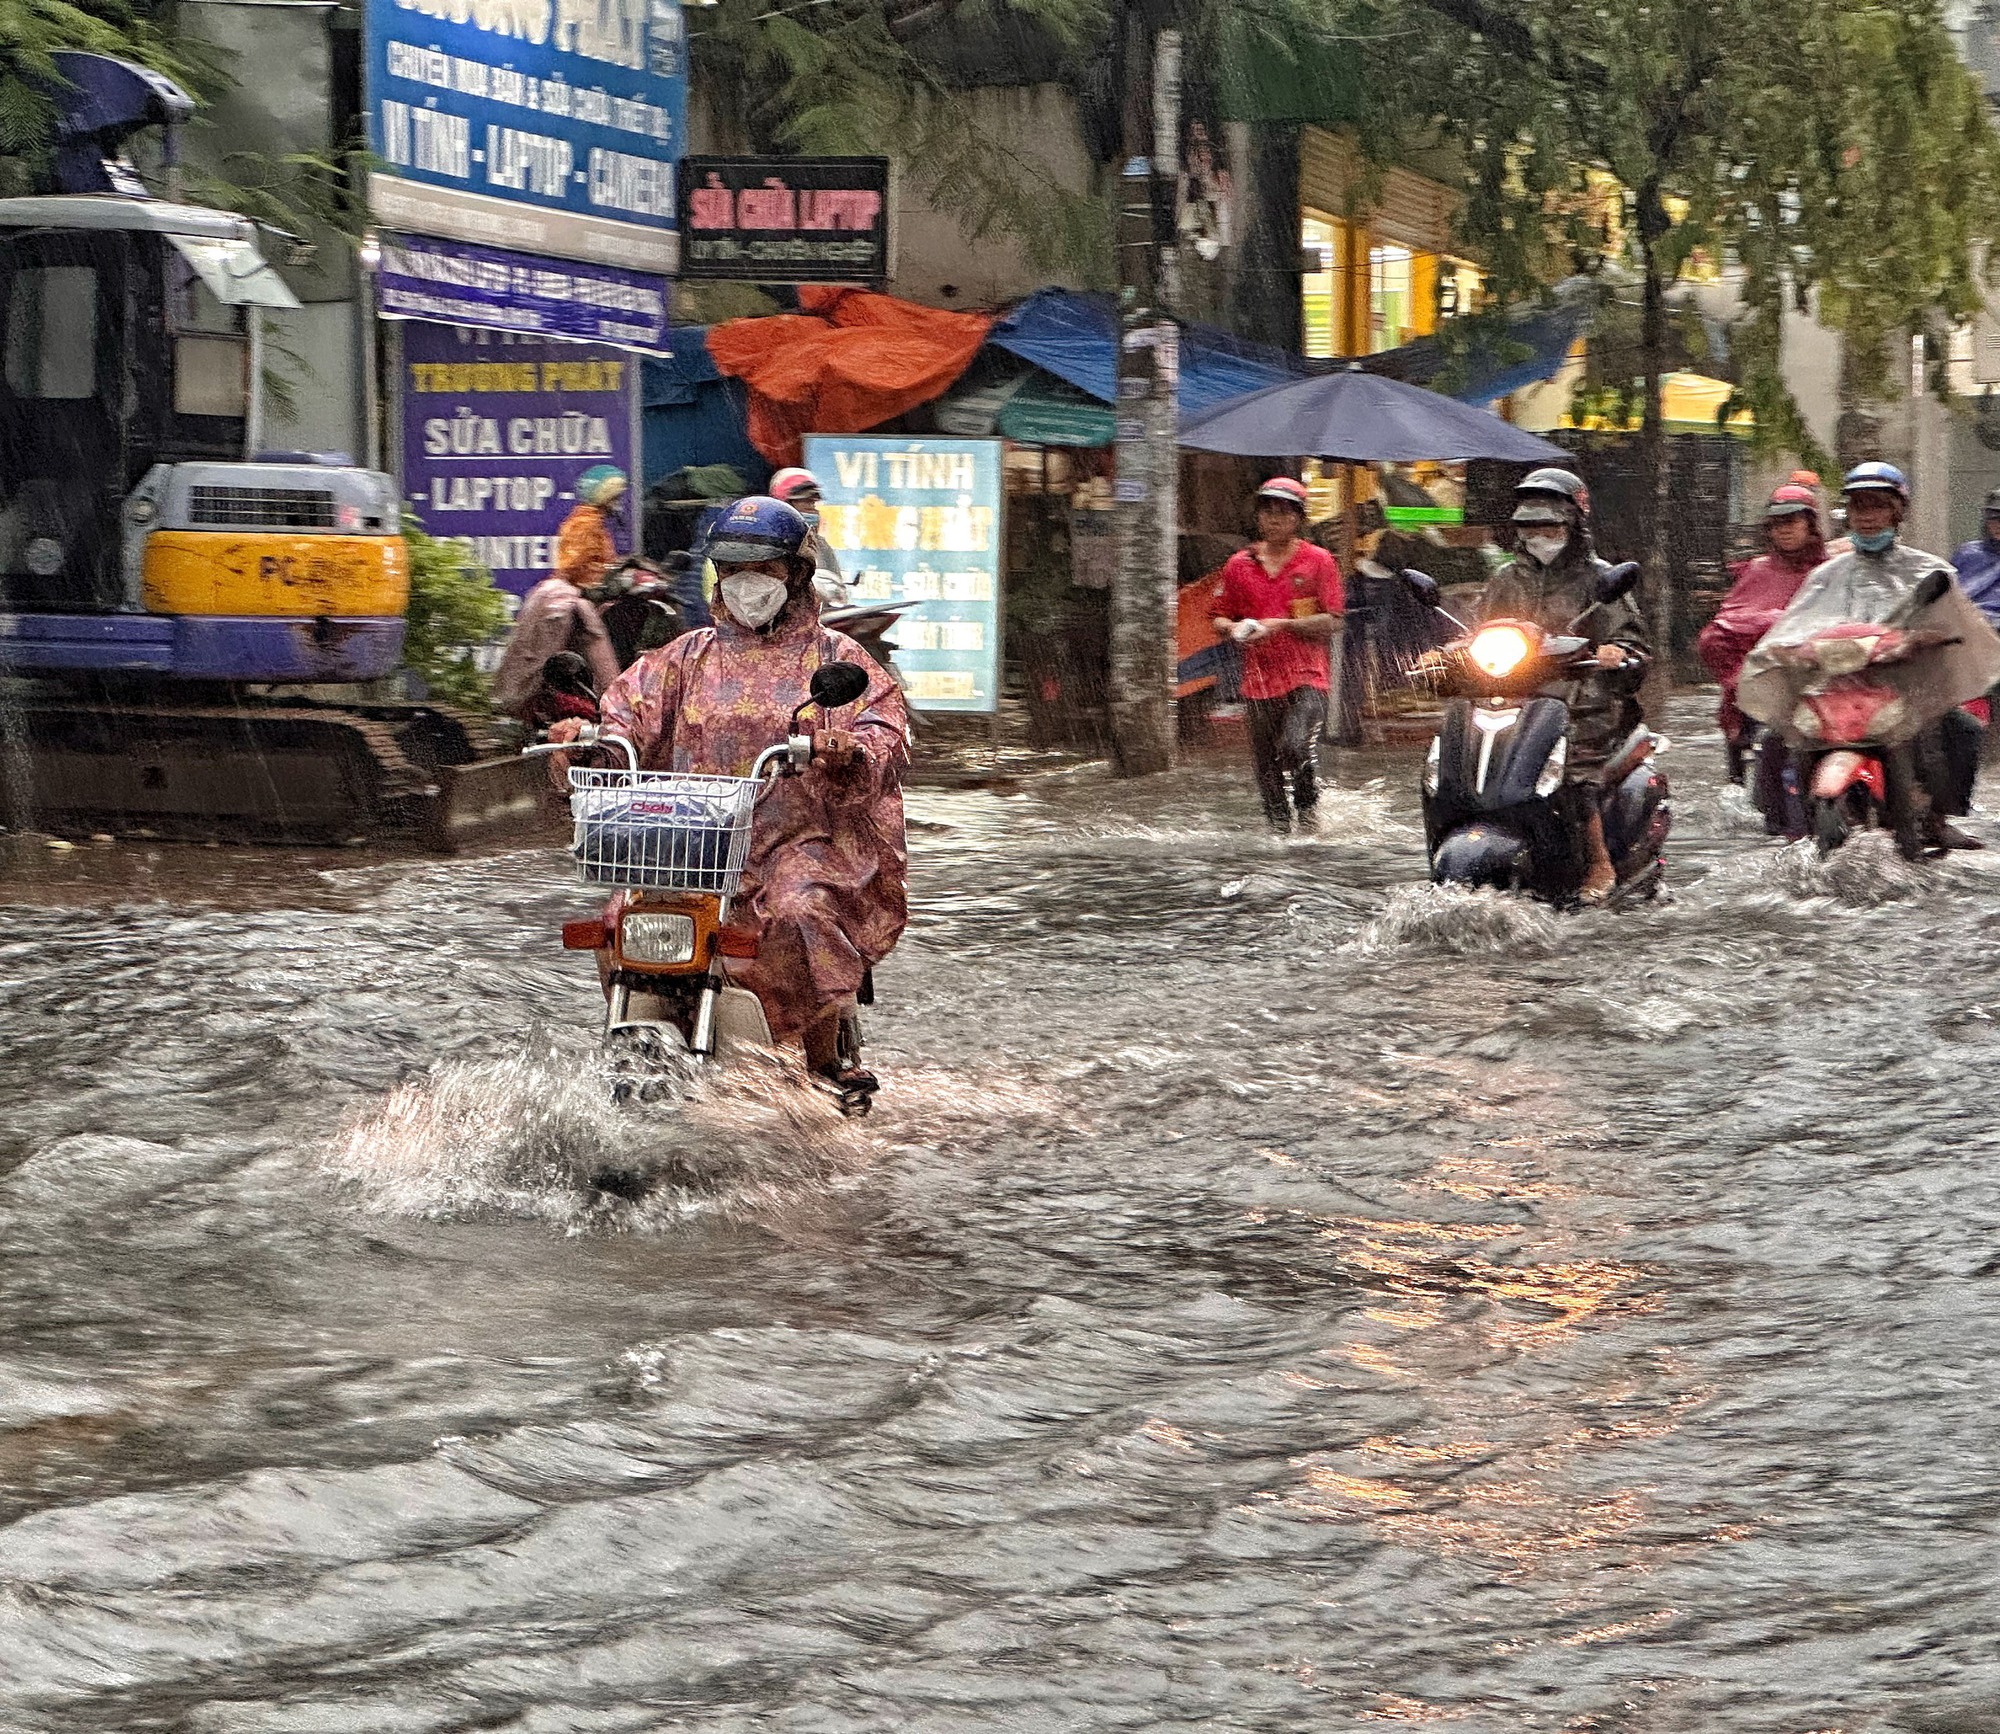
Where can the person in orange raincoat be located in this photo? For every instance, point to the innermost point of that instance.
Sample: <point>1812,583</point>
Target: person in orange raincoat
<point>825,889</point>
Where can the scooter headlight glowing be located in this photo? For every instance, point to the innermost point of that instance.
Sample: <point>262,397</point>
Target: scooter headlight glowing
<point>1552,771</point>
<point>1499,650</point>
<point>1432,759</point>
<point>658,939</point>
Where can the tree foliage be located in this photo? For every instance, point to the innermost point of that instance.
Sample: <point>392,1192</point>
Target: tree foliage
<point>454,608</point>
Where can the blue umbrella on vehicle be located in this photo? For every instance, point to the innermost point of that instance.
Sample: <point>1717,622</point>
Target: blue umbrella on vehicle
<point>1361,418</point>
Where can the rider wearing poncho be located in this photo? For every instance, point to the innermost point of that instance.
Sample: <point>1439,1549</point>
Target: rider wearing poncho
<point>1874,584</point>
<point>825,885</point>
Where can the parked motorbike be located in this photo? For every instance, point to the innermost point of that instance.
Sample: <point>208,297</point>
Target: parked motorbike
<point>1847,780</point>
<point>640,607</point>
<point>1494,813</point>
<point>672,845</point>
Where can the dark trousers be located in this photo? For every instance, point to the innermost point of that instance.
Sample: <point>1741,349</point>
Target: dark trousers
<point>1284,740</point>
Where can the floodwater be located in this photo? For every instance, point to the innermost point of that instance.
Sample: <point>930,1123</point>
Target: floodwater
<point>1269,1296</point>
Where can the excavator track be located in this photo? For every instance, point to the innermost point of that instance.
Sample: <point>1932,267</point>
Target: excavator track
<point>256,770</point>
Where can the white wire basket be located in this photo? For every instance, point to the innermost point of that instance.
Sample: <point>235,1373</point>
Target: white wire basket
<point>661,830</point>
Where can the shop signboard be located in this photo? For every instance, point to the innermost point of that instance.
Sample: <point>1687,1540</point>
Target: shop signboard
<point>453,281</point>
<point>919,521</point>
<point>497,428</point>
<point>544,126</point>
<point>786,219</point>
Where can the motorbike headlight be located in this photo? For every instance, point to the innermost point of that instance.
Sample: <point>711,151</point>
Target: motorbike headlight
<point>1498,650</point>
<point>656,938</point>
<point>1552,770</point>
<point>1431,761</point>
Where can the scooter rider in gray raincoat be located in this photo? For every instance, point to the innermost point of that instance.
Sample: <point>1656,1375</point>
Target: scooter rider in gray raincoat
<point>1552,581</point>
<point>1873,583</point>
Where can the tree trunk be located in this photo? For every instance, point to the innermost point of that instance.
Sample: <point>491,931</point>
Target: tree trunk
<point>1655,469</point>
<point>1143,593</point>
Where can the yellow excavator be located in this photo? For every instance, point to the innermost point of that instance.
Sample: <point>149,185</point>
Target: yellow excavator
<point>188,622</point>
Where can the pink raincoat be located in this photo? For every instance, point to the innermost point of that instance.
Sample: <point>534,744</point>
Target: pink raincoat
<point>1763,589</point>
<point>826,884</point>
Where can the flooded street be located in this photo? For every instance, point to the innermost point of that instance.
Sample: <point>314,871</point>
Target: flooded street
<point>1269,1295</point>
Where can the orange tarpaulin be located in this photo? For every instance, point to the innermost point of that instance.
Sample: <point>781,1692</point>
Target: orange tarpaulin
<point>851,360</point>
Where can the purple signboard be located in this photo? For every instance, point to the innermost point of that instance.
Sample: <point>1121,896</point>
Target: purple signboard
<point>496,430</point>
<point>455,282</point>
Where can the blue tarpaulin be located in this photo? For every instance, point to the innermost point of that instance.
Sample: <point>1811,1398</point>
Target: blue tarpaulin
<point>693,415</point>
<point>1075,337</point>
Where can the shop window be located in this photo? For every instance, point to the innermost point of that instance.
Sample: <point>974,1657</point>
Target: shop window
<point>1392,317</point>
<point>52,333</point>
<point>1319,289</point>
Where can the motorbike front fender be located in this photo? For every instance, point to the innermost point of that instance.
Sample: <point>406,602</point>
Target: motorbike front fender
<point>1838,772</point>
<point>1482,853</point>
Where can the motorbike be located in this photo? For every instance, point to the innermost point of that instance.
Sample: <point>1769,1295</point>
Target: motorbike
<point>1846,780</point>
<point>641,608</point>
<point>1493,778</point>
<point>672,846</point>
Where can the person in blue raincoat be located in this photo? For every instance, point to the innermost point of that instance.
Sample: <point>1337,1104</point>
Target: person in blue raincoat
<point>1978,564</point>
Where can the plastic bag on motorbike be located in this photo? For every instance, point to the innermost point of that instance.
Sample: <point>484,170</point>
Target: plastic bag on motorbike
<point>1811,670</point>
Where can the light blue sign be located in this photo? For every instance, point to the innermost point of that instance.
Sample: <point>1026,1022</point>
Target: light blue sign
<point>919,521</point>
<point>551,126</point>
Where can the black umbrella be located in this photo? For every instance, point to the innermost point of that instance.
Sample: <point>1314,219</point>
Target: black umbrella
<point>1361,418</point>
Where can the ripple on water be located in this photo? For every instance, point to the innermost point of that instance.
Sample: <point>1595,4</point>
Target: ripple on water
<point>539,1136</point>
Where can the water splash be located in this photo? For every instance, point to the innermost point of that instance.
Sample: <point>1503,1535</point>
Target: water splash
<point>1863,873</point>
<point>1451,919</point>
<point>540,1137</point>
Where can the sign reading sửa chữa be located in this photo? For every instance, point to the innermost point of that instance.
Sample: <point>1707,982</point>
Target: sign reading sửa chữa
<point>919,521</point>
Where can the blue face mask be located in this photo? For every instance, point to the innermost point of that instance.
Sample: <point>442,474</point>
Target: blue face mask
<point>1878,543</point>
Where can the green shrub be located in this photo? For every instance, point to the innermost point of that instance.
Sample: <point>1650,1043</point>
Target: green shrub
<point>454,609</point>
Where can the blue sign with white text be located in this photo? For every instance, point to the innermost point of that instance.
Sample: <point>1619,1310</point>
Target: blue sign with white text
<point>549,125</point>
<point>919,521</point>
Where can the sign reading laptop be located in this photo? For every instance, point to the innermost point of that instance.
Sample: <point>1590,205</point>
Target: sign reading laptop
<point>785,219</point>
<point>541,126</point>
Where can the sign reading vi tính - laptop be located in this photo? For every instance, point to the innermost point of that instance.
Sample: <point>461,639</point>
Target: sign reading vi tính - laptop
<point>919,521</point>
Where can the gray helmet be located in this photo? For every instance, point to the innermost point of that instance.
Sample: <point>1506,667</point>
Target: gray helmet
<point>1552,496</point>
<point>1993,503</point>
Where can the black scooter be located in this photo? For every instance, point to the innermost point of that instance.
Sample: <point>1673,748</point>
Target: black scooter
<point>1494,811</point>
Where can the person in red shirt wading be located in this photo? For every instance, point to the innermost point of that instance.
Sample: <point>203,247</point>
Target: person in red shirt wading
<point>1281,599</point>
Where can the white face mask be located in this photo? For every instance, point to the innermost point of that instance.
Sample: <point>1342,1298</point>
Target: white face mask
<point>1545,549</point>
<point>754,597</point>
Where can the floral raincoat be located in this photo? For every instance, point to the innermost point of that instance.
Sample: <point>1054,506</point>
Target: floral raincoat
<point>826,883</point>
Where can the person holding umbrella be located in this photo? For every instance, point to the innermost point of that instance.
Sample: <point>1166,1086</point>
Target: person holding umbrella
<point>1282,600</point>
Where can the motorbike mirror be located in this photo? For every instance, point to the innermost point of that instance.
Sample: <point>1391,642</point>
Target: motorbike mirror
<point>838,683</point>
<point>1619,581</point>
<point>1930,589</point>
<point>1423,586</point>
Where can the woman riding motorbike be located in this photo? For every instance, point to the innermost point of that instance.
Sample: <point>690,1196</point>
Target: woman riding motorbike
<point>1760,594</point>
<point>1552,581</point>
<point>1933,745</point>
<point>825,887</point>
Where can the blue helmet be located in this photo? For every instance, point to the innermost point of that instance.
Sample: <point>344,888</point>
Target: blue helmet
<point>1876,478</point>
<point>756,528</point>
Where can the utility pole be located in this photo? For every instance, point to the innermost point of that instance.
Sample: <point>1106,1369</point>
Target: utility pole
<point>1143,592</point>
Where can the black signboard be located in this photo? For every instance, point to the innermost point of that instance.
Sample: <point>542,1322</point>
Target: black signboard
<point>785,219</point>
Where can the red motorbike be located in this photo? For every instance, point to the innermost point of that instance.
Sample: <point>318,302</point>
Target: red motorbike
<point>1847,778</point>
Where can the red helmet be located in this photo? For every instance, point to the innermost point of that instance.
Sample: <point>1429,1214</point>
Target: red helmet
<point>1286,490</point>
<point>787,483</point>
<point>1792,497</point>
